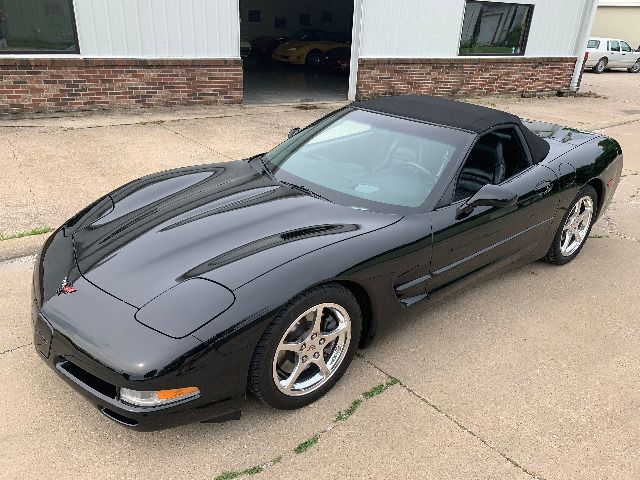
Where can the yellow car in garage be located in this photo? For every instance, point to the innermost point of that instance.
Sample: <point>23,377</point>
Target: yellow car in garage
<point>308,46</point>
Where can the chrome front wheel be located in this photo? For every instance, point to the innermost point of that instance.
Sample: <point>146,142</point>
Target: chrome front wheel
<point>312,349</point>
<point>576,226</point>
<point>307,347</point>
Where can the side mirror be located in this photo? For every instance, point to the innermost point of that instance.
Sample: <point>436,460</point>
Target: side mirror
<point>294,132</point>
<point>488,196</point>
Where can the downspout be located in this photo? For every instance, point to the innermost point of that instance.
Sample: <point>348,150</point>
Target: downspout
<point>588,17</point>
<point>356,42</point>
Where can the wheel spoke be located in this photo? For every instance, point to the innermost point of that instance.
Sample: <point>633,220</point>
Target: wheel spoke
<point>322,365</point>
<point>291,347</point>
<point>575,211</point>
<point>567,240</point>
<point>297,370</point>
<point>333,334</point>
<point>585,216</point>
<point>317,319</point>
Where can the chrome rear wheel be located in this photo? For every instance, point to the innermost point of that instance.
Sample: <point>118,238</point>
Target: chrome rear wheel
<point>576,226</point>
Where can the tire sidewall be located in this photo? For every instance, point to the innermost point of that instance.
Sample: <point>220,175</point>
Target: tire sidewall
<point>600,66</point>
<point>261,373</point>
<point>313,58</point>
<point>555,254</point>
<point>635,68</point>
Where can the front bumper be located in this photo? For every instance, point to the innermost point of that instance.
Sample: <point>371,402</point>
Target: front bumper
<point>92,340</point>
<point>292,57</point>
<point>101,386</point>
<point>105,396</point>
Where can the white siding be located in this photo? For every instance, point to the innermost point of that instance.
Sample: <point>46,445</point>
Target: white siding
<point>431,28</point>
<point>158,28</point>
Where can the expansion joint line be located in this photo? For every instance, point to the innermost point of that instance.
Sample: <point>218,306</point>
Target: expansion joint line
<point>459,424</point>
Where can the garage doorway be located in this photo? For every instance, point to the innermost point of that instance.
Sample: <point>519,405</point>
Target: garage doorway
<point>295,52</point>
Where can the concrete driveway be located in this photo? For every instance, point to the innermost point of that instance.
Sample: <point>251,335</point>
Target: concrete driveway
<point>535,374</point>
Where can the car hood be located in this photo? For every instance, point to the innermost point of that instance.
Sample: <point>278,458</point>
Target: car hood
<point>227,223</point>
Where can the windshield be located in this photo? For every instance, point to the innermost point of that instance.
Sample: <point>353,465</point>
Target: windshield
<point>307,35</point>
<point>369,160</point>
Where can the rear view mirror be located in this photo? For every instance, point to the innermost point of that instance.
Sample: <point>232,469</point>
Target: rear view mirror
<point>488,196</point>
<point>294,132</point>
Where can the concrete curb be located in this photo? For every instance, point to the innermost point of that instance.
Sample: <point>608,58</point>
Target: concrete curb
<point>21,247</point>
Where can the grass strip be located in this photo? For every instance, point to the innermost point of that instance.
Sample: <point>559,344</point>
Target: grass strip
<point>310,442</point>
<point>378,389</point>
<point>307,444</point>
<point>350,410</point>
<point>27,233</point>
<point>248,471</point>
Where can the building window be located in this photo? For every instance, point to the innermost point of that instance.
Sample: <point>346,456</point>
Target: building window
<point>305,19</point>
<point>281,22</point>
<point>492,28</point>
<point>327,16</point>
<point>254,16</point>
<point>37,26</point>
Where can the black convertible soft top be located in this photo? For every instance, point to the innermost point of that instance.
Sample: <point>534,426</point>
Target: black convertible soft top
<point>450,113</point>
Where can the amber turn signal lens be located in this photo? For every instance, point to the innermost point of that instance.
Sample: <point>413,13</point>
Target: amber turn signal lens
<point>159,397</point>
<point>176,393</point>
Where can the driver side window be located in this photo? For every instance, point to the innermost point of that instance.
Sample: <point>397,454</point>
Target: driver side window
<point>496,157</point>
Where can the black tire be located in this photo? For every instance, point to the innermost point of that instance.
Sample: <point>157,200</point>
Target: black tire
<point>313,58</point>
<point>635,68</point>
<point>261,371</point>
<point>555,254</point>
<point>601,66</point>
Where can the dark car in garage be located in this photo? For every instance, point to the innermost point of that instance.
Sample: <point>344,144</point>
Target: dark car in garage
<point>337,60</point>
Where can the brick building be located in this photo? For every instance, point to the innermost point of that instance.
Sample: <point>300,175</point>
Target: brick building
<point>84,54</point>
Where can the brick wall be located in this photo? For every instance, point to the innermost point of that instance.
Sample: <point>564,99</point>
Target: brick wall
<point>463,76</point>
<point>45,85</point>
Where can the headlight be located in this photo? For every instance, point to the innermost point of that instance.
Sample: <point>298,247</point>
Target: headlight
<point>157,397</point>
<point>186,307</point>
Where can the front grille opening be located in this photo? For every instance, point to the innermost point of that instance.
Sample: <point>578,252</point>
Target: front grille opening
<point>91,381</point>
<point>116,417</point>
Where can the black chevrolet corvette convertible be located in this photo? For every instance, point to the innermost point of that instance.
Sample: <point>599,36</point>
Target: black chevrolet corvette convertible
<point>166,300</point>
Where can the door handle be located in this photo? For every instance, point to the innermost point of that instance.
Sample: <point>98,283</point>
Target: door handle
<point>544,187</point>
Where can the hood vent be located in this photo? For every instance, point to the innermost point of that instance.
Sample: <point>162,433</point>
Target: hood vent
<point>266,243</point>
<point>310,231</point>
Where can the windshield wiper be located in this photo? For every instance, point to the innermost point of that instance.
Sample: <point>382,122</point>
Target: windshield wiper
<point>304,189</point>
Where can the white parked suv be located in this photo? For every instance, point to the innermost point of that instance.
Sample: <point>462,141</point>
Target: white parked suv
<point>605,53</point>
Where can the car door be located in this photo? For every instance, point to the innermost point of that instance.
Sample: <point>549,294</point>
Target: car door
<point>627,56</point>
<point>492,236</point>
<point>615,57</point>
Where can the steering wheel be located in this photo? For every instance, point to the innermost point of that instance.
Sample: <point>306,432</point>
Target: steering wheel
<point>416,167</point>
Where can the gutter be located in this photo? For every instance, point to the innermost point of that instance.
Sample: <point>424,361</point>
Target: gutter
<point>586,24</point>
